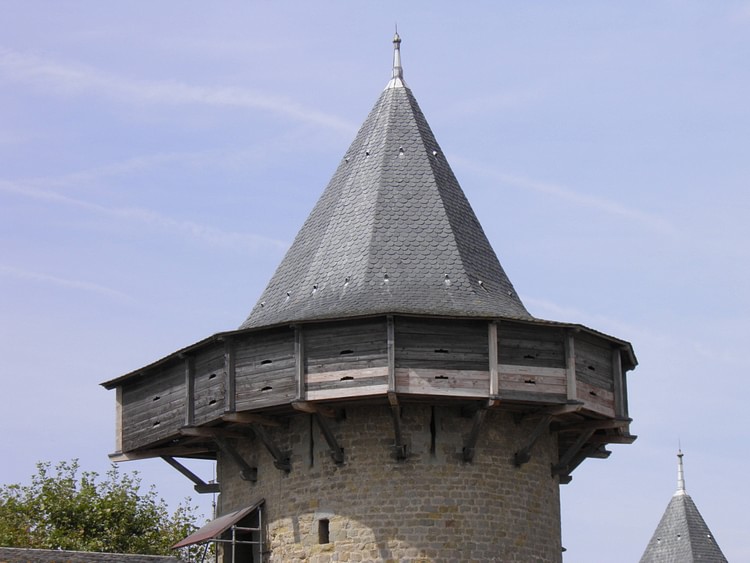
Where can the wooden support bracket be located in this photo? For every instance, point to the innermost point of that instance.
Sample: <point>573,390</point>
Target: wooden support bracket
<point>337,452</point>
<point>200,485</point>
<point>247,472</point>
<point>400,446</point>
<point>524,454</point>
<point>547,415</point>
<point>471,440</point>
<point>280,460</point>
<point>562,467</point>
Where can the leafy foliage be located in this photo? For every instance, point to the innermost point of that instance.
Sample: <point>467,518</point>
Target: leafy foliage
<point>61,509</point>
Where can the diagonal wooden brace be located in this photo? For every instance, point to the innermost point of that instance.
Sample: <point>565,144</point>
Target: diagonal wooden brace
<point>563,465</point>
<point>471,440</point>
<point>337,453</point>
<point>524,454</point>
<point>281,460</point>
<point>247,472</point>
<point>200,485</point>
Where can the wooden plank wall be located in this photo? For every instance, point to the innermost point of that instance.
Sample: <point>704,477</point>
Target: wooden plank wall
<point>340,359</point>
<point>594,373</point>
<point>346,359</point>
<point>531,363</point>
<point>264,369</point>
<point>442,357</point>
<point>153,405</point>
<point>208,384</point>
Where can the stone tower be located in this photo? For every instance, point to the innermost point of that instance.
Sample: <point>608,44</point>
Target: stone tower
<point>389,397</point>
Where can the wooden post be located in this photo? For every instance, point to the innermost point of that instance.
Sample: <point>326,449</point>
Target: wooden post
<point>299,362</point>
<point>493,352</point>
<point>570,366</point>
<point>118,419</point>
<point>620,408</point>
<point>391,348</point>
<point>189,391</point>
<point>230,377</point>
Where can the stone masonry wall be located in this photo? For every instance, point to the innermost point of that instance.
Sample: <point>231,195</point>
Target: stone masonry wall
<point>430,507</point>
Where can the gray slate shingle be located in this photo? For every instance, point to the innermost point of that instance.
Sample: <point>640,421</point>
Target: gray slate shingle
<point>682,536</point>
<point>392,233</point>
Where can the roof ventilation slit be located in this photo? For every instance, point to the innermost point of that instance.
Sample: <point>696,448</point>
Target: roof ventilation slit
<point>385,278</point>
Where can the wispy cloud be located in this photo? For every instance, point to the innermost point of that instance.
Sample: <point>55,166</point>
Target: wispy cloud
<point>195,230</point>
<point>62,282</point>
<point>608,206</point>
<point>83,80</point>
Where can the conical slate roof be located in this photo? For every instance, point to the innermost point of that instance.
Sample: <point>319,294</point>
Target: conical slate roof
<point>682,535</point>
<point>392,233</point>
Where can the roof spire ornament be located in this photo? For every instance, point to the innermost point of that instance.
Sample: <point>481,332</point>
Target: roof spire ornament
<point>397,77</point>
<point>680,475</point>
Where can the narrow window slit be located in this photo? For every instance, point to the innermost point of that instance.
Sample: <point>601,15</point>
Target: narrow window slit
<point>324,531</point>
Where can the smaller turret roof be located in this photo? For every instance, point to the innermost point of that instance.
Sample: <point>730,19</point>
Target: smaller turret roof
<point>682,535</point>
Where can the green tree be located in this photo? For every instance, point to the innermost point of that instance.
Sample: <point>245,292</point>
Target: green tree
<point>63,508</point>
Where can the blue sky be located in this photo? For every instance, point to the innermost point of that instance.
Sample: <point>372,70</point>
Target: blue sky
<point>156,159</point>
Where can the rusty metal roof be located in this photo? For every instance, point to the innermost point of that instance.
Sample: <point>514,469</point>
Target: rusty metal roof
<point>217,527</point>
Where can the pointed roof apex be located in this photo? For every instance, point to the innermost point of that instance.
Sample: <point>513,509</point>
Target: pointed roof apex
<point>397,78</point>
<point>682,534</point>
<point>680,475</point>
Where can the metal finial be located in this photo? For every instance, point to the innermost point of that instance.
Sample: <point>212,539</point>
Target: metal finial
<point>397,77</point>
<point>398,71</point>
<point>680,474</point>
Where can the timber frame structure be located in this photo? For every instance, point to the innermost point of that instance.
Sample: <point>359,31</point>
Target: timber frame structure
<point>235,384</point>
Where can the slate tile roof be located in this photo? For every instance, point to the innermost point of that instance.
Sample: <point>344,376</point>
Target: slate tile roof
<point>392,233</point>
<point>682,535</point>
<point>22,555</point>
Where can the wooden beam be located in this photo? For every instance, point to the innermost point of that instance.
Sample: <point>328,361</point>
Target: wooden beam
<point>181,451</point>
<point>280,460</point>
<point>200,485</point>
<point>314,408</point>
<point>570,366</point>
<point>299,362</point>
<point>251,418</point>
<point>471,440</point>
<point>593,425</point>
<point>391,351</point>
<point>493,353</point>
<point>212,432</point>
<point>337,452</point>
<point>524,454</point>
<point>247,472</point>
<point>230,376</point>
<point>189,390</point>
<point>399,444</point>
